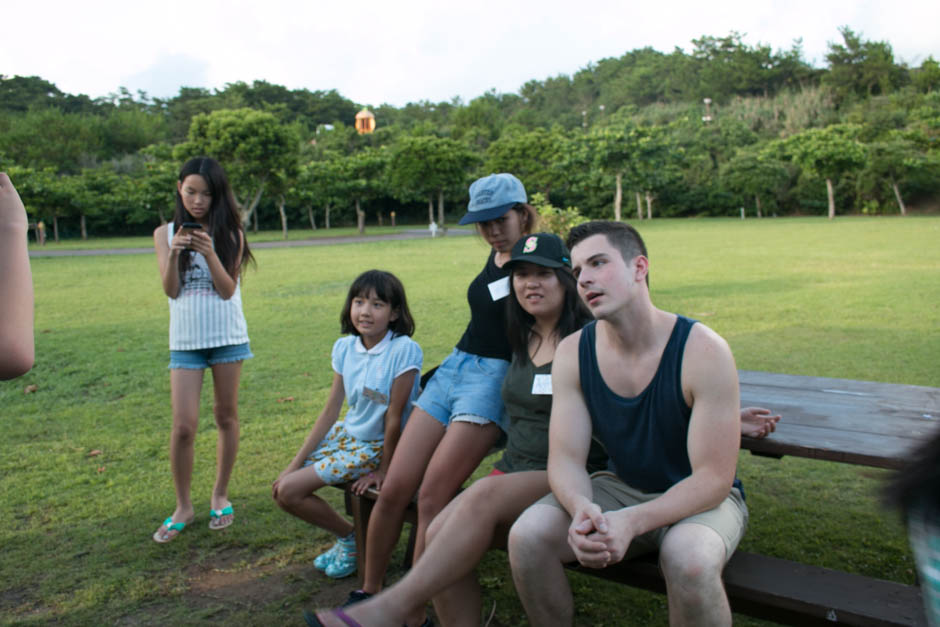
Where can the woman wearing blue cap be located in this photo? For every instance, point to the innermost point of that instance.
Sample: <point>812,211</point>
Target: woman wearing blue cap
<point>459,416</point>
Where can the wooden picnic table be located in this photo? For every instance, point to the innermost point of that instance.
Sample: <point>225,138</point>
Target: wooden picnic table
<point>841,420</point>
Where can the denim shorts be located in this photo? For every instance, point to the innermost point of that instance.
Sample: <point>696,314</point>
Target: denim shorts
<point>466,388</point>
<point>202,358</point>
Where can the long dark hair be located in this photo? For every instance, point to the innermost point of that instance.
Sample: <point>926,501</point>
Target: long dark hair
<point>225,223</point>
<point>520,323</point>
<point>387,288</point>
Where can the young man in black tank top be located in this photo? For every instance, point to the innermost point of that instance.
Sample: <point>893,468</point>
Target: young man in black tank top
<point>633,376</point>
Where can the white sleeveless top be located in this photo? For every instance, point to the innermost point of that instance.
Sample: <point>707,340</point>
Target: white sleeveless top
<point>199,318</point>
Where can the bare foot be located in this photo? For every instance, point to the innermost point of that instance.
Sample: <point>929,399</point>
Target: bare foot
<point>757,422</point>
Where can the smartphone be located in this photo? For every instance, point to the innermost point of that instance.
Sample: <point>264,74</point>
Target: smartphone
<point>190,226</point>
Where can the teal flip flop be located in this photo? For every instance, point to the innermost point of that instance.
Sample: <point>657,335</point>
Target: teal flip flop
<point>215,517</point>
<point>172,530</point>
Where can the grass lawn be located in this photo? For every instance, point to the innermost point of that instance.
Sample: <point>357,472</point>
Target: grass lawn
<point>85,471</point>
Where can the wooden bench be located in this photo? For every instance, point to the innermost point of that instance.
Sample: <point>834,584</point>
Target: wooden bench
<point>856,422</point>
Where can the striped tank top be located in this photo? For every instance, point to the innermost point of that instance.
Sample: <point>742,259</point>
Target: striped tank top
<point>199,318</point>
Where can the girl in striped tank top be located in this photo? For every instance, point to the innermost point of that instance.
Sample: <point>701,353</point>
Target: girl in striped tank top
<point>202,254</point>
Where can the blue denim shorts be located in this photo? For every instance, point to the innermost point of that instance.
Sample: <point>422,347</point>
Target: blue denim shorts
<point>466,388</point>
<point>202,358</point>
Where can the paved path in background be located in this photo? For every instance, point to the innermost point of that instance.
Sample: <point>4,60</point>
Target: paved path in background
<point>313,241</point>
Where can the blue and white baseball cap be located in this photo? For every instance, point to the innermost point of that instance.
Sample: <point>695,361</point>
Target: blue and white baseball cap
<point>492,196</point>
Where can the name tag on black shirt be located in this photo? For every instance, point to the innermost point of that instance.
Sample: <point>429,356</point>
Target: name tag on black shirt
<point>499,288</point>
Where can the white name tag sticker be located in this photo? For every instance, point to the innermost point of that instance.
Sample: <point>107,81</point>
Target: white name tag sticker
<point>499,288</point>
<point>542,384</point>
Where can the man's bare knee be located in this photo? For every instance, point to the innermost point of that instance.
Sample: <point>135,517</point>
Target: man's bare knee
<point>692,558</point>
<point>535,534</point>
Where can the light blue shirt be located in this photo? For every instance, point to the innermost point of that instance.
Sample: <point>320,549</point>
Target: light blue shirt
<point>368,376</point>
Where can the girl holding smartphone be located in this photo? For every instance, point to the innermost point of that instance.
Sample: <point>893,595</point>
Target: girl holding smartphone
<point>201,255</point>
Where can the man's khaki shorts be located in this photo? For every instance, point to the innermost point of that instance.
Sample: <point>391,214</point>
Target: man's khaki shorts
<point>728,520</point>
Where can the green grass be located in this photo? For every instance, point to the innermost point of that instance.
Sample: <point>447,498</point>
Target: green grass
<point>146,241</point>
<point>855,298</point>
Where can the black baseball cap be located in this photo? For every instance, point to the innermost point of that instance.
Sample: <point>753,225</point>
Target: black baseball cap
<point>542,249</point>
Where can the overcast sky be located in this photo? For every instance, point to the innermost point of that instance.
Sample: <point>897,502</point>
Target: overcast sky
<point>408,50</point>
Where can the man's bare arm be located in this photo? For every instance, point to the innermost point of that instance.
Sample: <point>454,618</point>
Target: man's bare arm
<point>569,442</point>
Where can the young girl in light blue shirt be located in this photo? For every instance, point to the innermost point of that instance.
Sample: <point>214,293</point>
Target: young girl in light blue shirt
<point>376,369</point>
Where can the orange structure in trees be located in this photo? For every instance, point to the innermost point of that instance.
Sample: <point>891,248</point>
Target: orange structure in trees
<point>365,122</point>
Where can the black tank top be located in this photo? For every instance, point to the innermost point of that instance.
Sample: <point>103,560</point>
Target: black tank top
<point>645,436</point>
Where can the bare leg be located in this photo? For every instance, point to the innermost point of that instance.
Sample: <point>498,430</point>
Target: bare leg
<point>295,495</point>
<point>493,507</point>
<point>421,436</point>
<point>460,451</point>
<point>538,549</point>
<point>225,378</point>
<point>692,557</point>
<point>456,457</point>
<point>185,388</point>
<point>454,548</point>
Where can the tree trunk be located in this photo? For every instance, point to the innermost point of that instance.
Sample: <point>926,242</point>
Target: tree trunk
<point>832,199</point>
<point>381,219</point>
<point>55,228</point>
<point>639,207</point>
<point>360,218</point>
<point>618,197</point>
<point>84,231</point>
<point>897,194</point>
<point>757,200</point>
<point>249,213</point>
<point>280,208</point>
<point>326,217</point>
<point>440,207</point>
<point>313,222</point>
<point>254,221</point>
<point>649,206</point>
<point>430,209</point>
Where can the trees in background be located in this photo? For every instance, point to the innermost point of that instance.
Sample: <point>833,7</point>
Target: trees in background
<point>533,156</point>
<point>756,175</point>
<point>361,177</point>
<point>828,153</point>
<point>866,126</point>
<point>427,167</point>
<point>253,146</point>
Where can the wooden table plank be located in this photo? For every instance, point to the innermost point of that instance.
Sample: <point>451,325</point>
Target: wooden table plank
<point>858,422</point>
